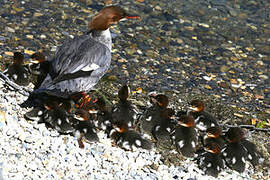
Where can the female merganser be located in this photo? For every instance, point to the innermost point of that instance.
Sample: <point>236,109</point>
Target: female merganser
<point>79,63</point>
<point>17,72</point>
<point>185,136</point>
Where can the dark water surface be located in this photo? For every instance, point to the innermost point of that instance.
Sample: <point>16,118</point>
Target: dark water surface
<point>217,48</point>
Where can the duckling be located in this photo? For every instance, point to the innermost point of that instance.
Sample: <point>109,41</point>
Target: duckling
<point>57,116</point>
<point>40,67</point>
<point>84,126</point>
<point>203,119</point>
<point>124,111</point>
<point>36,63</point>
<point>35,114</point>
<point>128,139</point>
<point>211,161</point>
<point>235,153</point>
<point>162,131</point>
<point>17,72</point>
<point>104,116</point>
<point>185,136</point>
<point>152,115</point>
<point>214,134</point>
<point>238,150</point>
<point>253,155</point>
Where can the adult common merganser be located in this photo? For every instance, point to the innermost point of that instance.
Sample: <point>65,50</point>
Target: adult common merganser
<point>79,63</point>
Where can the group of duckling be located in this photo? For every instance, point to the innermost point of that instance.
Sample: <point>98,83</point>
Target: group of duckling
<point>194,133</point>
<point>20,70</point>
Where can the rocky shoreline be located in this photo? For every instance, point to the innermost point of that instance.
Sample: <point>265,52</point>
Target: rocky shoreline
<point>32,151</point>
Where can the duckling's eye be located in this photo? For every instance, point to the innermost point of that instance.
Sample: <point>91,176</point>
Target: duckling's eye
<point>114,18</point>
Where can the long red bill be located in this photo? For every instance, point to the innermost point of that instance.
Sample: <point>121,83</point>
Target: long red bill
<point>133,17</point>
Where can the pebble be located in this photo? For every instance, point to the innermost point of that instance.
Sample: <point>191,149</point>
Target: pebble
<point>29,52</point>
<point>207,78</point>
<point>2,116</point>
<point>29,36</point>
<point>9,53</point>
<point>2,38</point>
<point>54,48</point>
<point>43,36</point>
<point>263,76</point>
<point>36,14</point>
<point>9,29</point>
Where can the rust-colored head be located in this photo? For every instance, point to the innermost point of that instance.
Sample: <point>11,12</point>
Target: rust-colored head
<point>121,127</point>
<point>123,93</point>
<point>186,121</point>
<point>214,132</point>
<point>212,147</point>
<point>18,58</point>
<point>82,115</point>
<point>235,134</point>
<point>38,57</point>
<point>108,16</point>
<point>197,105</point>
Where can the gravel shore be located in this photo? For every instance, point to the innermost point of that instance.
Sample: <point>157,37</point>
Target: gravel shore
<point>33,151</point>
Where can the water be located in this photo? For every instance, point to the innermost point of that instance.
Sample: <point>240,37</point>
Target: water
<point>180,43</point>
